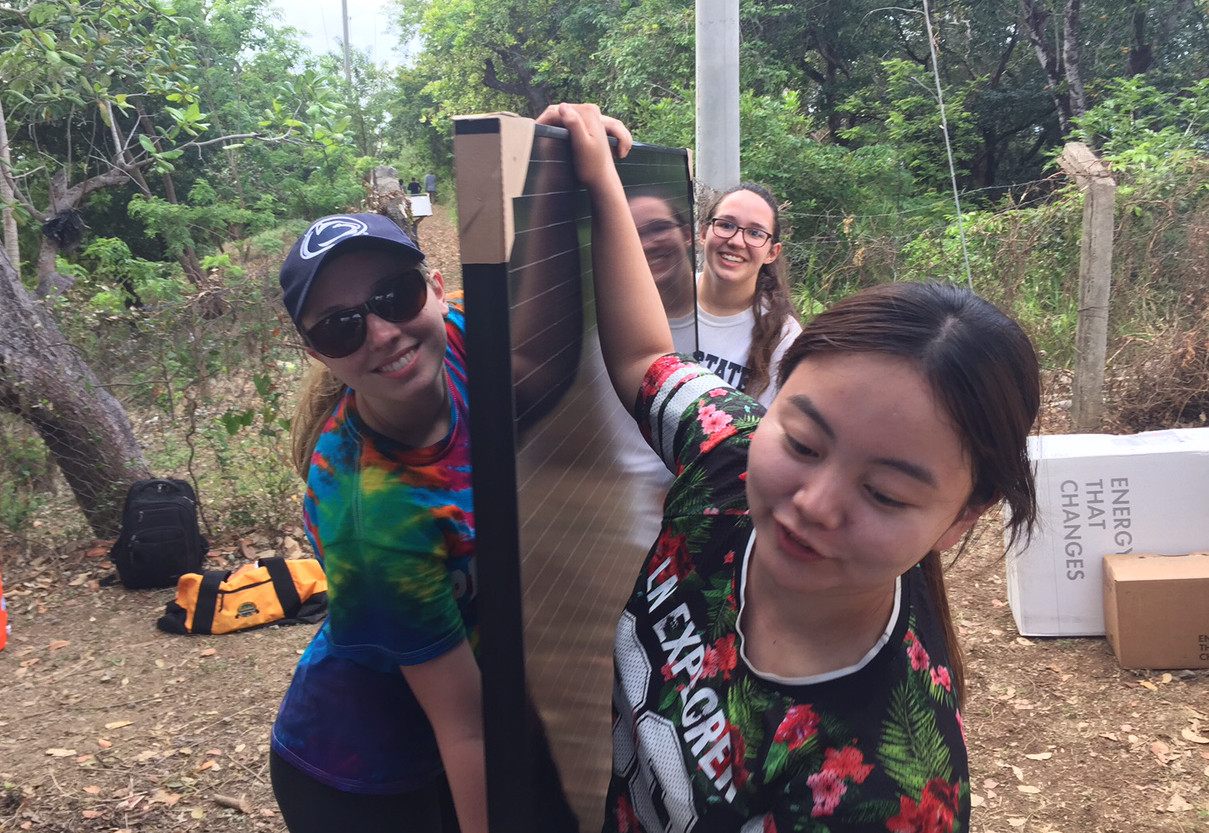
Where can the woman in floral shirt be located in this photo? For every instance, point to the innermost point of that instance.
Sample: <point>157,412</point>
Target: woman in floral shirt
<point>787,660</point>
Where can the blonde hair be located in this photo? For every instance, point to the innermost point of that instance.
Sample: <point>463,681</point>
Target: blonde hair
<point>317,398</point>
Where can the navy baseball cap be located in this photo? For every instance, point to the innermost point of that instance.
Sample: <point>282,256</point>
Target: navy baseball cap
<point>333,235</point>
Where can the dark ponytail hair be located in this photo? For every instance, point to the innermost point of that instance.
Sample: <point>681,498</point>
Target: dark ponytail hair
<point>772,305</point>
<point>981,367</point>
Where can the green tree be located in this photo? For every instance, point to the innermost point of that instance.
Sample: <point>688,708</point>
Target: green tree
<point>1126,37</point>
<point>101,93</point>
<point>519,55</point>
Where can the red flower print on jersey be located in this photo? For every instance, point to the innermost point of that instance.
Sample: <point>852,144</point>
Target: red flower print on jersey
<point>934,814</point>
<point>827,790</point>
<point>718,425</point>
<point>627,819</point>
<point>847,763</point>
<point>738,755</point>
<point>919,656</point>
<point>674,549</point>
<point>717,439</point>
<point>713,420</point>
<point>827,785</point>
<point>658,373</point>
<point>940,677</point>
<point>721,656</point>
<point>799,726</point>
<point>770,824</point>
<point>650,385</point>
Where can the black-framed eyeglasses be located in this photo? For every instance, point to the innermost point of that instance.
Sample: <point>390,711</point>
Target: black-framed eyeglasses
<point>397,299</point>
<point>725,230</point>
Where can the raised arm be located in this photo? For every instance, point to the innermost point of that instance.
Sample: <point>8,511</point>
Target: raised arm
<point>633,326</point>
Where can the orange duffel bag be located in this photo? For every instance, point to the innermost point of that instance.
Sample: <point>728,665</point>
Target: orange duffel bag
<point>271,591</point>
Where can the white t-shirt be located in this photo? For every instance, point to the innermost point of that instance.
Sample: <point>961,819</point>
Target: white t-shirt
<point>726,345</point>
<point>725,342</point>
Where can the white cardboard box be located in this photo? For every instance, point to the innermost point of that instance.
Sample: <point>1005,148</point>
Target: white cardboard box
<point>1099,494</point>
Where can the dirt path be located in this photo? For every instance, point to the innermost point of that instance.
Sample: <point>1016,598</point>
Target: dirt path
<point>107,724</point>
<point>439,239</point>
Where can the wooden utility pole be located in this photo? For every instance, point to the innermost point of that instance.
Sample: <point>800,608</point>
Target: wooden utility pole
<point>1095,279</point>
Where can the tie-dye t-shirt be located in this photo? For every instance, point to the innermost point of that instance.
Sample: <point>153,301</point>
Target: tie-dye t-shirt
<point>394,527</point>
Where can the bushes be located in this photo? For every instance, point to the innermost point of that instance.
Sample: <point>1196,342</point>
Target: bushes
<point>207,397</point>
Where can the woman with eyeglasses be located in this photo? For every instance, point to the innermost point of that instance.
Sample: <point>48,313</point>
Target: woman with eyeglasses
<point>745,318</point>
<point>381,727</point>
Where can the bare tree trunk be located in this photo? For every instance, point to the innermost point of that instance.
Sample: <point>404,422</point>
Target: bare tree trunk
<point>1145,47</point>
<point>46,382</point>
<point>1070,59</point>
<point>537,93</point>
<point>1060,64</point>
<point>11,245</point>
<point>50,280</point>
<point>65,198</point>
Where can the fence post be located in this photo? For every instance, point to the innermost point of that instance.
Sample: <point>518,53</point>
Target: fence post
<point>1095,279</point>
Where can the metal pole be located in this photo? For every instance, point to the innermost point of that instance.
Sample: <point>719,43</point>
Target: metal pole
<point>717,162</point>
<point>348,71</point>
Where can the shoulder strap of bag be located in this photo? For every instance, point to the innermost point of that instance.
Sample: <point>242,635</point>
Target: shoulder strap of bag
<point>207,600</point>
<point>283,583</point>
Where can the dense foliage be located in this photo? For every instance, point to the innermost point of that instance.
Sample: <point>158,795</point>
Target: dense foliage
<point>174,129</point>
<point>839,114</point>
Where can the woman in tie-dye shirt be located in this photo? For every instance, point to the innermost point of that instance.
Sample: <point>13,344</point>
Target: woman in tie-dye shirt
<point>381,727</point>
<point>388,688</point>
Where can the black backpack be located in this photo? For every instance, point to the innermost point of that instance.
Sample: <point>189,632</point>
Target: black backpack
<point>160,538</point>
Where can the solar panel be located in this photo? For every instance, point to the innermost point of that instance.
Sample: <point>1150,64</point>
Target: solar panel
<point>567,497</point>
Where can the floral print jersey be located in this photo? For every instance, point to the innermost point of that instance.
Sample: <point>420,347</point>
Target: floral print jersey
<point>701,741</point>
<point>394,527</point>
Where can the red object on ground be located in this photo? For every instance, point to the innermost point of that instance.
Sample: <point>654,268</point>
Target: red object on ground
<point>3,619</point>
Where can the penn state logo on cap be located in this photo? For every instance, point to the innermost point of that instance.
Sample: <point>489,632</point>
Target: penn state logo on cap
<point>325,233</point>
<point>326,236</point>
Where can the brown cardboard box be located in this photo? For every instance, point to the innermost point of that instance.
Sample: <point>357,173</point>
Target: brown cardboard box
<point>1156,609</point>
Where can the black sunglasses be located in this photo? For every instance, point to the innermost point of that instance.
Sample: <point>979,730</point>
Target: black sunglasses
<point>397,300</point>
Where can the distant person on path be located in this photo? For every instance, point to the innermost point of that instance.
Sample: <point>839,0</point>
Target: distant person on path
<point>430,185</point>
<point>381,727</point>
<point>413,187</point>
